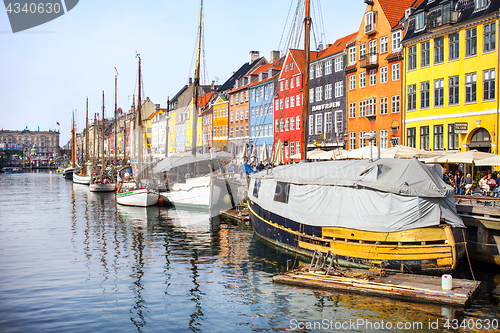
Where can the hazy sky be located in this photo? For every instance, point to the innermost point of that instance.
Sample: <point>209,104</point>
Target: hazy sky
<point>49,70</point>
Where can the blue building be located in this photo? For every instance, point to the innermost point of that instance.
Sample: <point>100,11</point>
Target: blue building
<point>262,92</point>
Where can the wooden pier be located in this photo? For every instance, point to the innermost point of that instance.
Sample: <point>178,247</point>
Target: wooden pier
<point>239,213</point>
<point>410,287</point>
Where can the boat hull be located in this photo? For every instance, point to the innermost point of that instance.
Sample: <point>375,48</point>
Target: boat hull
<point>141,197</point>
<point>430,250</point>
<point>191,196</point>
<point>84,180</point>
<point>68,173</point>
<point>110,187</point>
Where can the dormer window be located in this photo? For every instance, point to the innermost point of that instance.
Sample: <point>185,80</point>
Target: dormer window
<point>480,4</point>
<point>370,22</point>
<point>419,21</point>
<point>260,76</point>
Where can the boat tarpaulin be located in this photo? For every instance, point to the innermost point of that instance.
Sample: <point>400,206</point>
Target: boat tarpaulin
<point>385,195</point>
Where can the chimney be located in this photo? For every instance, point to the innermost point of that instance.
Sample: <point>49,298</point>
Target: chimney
<point>157,107</point>
<point>254,55</point>
<point>213,85</point>
<point>275,55</point>
<point>190,81</point>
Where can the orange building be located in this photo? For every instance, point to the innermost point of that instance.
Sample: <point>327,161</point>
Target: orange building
<point>374,74</point>
<point>206,113</point>
<point>221,122</point>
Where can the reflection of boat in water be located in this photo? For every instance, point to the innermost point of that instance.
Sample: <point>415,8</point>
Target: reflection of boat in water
<point>135,215</point>
<point>398,211</point>
<point>12,170</point>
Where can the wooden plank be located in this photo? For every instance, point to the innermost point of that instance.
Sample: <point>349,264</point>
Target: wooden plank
<point>480,221</point>
<point>478,210</point>
<point>413,235</point>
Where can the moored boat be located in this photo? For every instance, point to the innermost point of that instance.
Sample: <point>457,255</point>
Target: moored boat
<point>81,179</point>
<point>68,173</point>
<point>12,170</point>
<point>391,210</point>
<point>140,197</point>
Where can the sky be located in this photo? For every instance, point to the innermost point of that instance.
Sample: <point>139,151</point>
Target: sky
<point>50,70</point>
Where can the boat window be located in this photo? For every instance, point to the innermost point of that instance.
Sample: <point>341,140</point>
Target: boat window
<point>256,187</point>
<point>282,192</point>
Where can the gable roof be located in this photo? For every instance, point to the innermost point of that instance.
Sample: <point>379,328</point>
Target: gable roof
<point>395,10</point>
<point>300,58</point>
<point>242,71</point>
<point>338,46</point>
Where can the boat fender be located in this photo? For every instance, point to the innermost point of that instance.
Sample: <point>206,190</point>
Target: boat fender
<point>119,187</point>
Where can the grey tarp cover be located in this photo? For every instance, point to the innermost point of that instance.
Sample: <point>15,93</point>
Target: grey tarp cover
<point>384,195</point>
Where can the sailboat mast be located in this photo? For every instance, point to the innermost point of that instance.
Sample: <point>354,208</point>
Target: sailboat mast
<point>94,132</point>
<point>116,119</point>
<point>102,135</point>
<point>73,140</point>
<point>139,115</point>
<point>86,135</point>
<point>305,104</point>
<point>196,84</point>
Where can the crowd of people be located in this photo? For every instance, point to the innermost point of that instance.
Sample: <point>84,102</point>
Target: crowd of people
<point>484,184</point>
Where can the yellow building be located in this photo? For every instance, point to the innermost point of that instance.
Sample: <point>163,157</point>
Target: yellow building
<point>171,132</point>
<point>220,123</point>
<point>451,61</point>
<point>189,129</point>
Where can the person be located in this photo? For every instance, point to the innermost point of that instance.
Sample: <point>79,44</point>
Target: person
<point>458,182</point>
<point>445,176</point>
<point>491,182</point>
<point>468,184</point>
<point>483,184</point>
<point>260,167</point>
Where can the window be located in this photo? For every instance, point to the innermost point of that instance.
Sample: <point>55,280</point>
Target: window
<point>261,110</point>
<point>424,137</point>
<point>454,46</point>
<point>370,22</point>
<point>470,42</point>
<point>281,86</point>
<point>362,108</point>
<point>242,114</point>
<point>373,77</point>
<point>438,50</point>
<point>412,57</point>
<point>256,188</point>
<point>253,94</point>
<point>286,152</point>
<point>246,112</point>
<point>292,101</point>
<point>352,55</point>
<point>328,91</point>
<point>266,107</point>
<point>352,140</point>
<point>286,87</point>
<point>452,138</point>
<point>339,64</point>
<point>311,95</point>
<point>371,107</point>
<point>479,4</point>
<point>297,81</point>
<point>231,133</point>
<point>489,37</point>
<point>311,124</point>
<point>453,90</point>
<point>352,82</point>
<point>362,51</point>
<point>438,137</point>
<point>232,99</point>
<point>319,94</point>
<point>231,116</point>
<point>352,110</point>
<point>395,104</point>
<point>425,53</point>
<point>292,83</point>
<point>412,97</point>
<point>319,123</point>
<point>237,132</point>
<point>339,121</point>
<point>287,104</point>
<point>339,89</point>
<point>383,139</point>
<point>470,87</point>
<point>311,72</point>
<point>328,67</point>
<point>328,122</point>
<point>411,137</point>
<point>372,47</point>
<point>277,105</point>
<point>489,84</point>
<point>292,123</point>
<point>424,95</point>
<point>297,146</point>
<point>319,70</point>
<point>286,124</point>
<point>396,41</point>
<point>362,141</point>
<point>419,21</point>
<point>297,124</point>
<point>297,100</point>
<point>384,107</point>
<point>439,92</point>
<point>395,72</point>
<point>282,191</point>
<point>270,129</point>
<point>383,75</point>
<point>384,44</point>
<point>276,125</point>
<point>292,148</point>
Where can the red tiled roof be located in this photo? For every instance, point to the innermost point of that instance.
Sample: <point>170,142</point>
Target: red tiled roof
<point>395,10</point>
<point>203,100</point>
<point>300,58</point>
<point>338,46</point>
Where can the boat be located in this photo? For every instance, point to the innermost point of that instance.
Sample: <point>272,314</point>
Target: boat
<point>396,211</point>
<point>102,182</point>
<point>68,173</point>
<point>82,176</point>
<point>137,189</point>
<point>12,170</point>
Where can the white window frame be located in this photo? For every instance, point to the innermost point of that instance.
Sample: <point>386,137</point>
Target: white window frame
<point>396,41</point>
<point>339,89</point>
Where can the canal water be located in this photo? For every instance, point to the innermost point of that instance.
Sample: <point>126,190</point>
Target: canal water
<point>74,261</point>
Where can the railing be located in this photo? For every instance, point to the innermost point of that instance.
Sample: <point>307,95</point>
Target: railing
<point>440,17</point>
<point>369,61</point>
<point>370,28</point>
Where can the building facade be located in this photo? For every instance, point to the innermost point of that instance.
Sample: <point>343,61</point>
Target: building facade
<point>46,143</point>
<point>220,122</point>
<point>450,78</point>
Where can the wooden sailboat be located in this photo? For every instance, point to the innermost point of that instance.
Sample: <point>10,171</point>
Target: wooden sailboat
<point>102,182</point>
<point>398,213</point>
<point>68,172</point>
<point>83,176</point>
<point>135,189</point>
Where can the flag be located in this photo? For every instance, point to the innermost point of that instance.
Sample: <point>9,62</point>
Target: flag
<point>119,110</point>
<point>58,123</point>
<point>116,71</point>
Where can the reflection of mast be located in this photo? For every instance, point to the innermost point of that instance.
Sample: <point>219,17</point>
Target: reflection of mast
<point>195,293</point>
<point>137,273</point>
<point>305,104</point>
<point>195,93</point>
<point>73,140</point>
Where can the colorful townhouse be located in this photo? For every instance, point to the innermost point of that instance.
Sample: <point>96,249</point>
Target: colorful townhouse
<point>206,115</point>
<point>220,122</point>
<point>327,95</point>
<point>262,92</point>
<point>237,89</point>
<point>374,74</point>
<point>450,80</point>
<point>288,102</point>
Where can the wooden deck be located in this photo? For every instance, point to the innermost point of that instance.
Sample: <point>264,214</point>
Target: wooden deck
<point>410,287</point>
<point>238,213</point>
